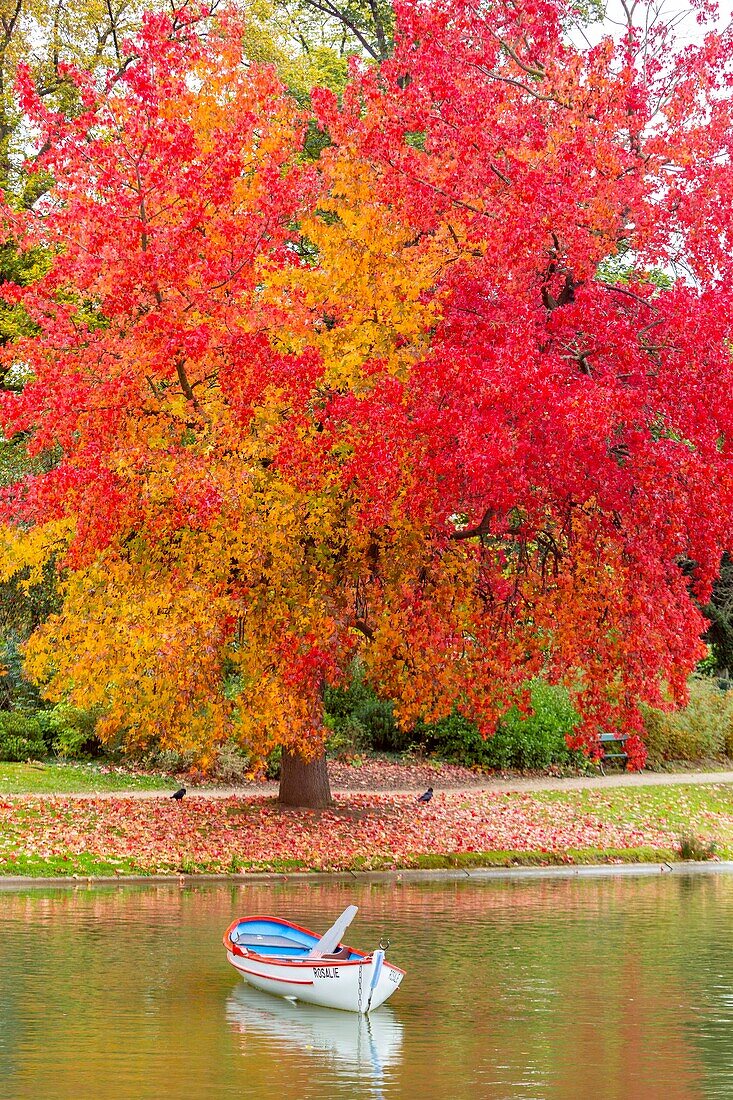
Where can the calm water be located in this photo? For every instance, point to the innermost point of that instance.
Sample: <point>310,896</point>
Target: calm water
<point>608,988</point>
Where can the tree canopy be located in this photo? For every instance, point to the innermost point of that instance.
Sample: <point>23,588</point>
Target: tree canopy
<point>421,397</point>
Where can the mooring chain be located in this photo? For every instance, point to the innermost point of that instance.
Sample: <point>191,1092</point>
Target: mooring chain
<point>361,969</point>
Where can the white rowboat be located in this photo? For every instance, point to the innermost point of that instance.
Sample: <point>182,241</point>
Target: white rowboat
<point>280,957</point>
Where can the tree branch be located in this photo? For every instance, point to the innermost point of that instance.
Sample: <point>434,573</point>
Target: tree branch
<point>188,392</point>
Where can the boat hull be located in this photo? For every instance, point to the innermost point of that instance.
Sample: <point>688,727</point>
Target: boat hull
<point>331,983</point>
<point>321,982</point>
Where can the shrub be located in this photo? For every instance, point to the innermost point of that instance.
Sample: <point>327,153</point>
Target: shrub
<point>273,763</point>
<point>702,729</point>
<point>16,692</point>
<point>346,735</point>
<point>232,763</point>
<point>359,719</point>
<point>538,739</point>
<point>535,740</point>
<point>376,718</point>
<point>341,702</point>
<point>169,760</point>
<point>74,731</point>
<point>457,739</point>
<point>692,847</point>
<point>21,737</point>
<point>708,665</point>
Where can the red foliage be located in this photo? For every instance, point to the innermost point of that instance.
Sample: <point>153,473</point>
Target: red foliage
<point>509,491</point>
<point>580,424</point>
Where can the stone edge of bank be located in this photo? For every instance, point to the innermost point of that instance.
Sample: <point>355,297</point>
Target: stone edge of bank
<point>395,877</point>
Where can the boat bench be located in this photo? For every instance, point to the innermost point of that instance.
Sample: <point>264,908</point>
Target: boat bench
<point>342,953</point>
<point>613,748</point>
<point>275,945</point>
<point>263,941</point>
<point>284,945</point>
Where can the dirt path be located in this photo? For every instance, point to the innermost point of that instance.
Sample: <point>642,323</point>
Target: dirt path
<point>481,783</point>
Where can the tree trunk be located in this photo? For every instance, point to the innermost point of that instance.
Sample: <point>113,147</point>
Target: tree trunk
<point>304,782</point>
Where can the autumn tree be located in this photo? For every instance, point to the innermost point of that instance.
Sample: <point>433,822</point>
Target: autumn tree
<point>48,39</point>
<point>419,399</point>
<point>540,456</point>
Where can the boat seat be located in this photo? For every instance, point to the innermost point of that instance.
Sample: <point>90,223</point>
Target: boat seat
<point>245,938</point>
<point>342,953</point>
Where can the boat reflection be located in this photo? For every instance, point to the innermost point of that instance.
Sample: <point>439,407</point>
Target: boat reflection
<point>354,1046</point>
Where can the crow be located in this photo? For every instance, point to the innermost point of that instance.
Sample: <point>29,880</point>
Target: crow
<point>178,795</point>
<point>427,796</point>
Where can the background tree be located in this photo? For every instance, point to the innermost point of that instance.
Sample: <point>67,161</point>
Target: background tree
<point>720,613</point>
<point>363,27</point>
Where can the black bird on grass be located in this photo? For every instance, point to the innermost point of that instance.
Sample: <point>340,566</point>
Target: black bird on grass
<point>178,795</point>
<point>426,796</point>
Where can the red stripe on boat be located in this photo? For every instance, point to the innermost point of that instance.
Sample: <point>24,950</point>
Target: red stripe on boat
<point>268,978</point>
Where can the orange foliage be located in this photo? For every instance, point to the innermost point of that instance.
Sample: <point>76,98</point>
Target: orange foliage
<point>381,403</point>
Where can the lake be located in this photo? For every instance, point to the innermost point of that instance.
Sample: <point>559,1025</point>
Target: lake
<point>551,989</point>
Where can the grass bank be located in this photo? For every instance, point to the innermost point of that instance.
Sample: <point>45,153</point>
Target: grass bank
<point>85,866</point>
<point>69,778</point>
<point>51,836</point>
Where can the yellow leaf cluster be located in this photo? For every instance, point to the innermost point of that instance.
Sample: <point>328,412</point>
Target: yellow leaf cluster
<point>28,550</point>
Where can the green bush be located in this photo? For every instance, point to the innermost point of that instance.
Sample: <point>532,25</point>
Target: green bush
<point>521,741</point>
<point>346,735</point>
<point>73,731</point>
<point>701,730</point>
<point>457,739</point>
<point>708,665</point>
<point>273,763</point>
<point>358,719</point>
<point>16,692</point>
<point>539,739</point>
<point>376,718</point>
<point>21,737</point>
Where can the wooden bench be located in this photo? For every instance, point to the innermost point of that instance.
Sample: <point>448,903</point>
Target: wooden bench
<point>613,748</point>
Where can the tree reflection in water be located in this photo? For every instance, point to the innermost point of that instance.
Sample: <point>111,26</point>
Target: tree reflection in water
<point>555,989</point>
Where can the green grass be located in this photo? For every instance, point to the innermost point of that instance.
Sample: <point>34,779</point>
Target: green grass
<point>88,866</point>
<point>60,778</point>
<point>685,809</point>
<point>467,860</point>
<point>82,865</point>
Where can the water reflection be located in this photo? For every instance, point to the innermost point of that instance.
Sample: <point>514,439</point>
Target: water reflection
<point>608,989</point>
<point>363,1049</point>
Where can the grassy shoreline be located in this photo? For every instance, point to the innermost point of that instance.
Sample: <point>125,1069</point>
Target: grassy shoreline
<point>89,868</point>
<point>114,835</point>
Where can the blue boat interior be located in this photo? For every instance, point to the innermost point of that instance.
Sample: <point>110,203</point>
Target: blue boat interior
<point>273,938</point>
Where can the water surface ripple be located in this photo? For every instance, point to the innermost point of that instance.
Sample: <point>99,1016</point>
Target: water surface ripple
<point>605,989</point>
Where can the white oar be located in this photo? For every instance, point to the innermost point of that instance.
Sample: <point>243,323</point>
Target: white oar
<point>377,960</point>
<point>330,940</point>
